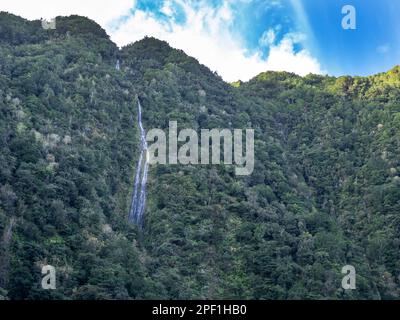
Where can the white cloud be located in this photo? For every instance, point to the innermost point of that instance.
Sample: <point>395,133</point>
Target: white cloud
<point>268,38</point>
<point>283,57</point>
<point>206,34</point>
<point>102,11</point>
<point>167,8</point>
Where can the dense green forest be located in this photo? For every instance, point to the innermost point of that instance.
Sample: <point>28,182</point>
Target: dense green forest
<point>324,192</point>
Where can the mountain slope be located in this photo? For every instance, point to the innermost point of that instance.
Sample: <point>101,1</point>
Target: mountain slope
<point>323,194</point>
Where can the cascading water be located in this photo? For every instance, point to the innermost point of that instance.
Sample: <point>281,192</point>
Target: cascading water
<point>139,191</point>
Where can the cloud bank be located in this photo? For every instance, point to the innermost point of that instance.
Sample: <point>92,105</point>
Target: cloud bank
<point>202,29</point>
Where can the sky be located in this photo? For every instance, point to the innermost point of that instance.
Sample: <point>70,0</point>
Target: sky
<point>242,38</point>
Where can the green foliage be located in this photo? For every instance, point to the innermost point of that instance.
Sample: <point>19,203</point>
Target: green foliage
<point>324,192</point>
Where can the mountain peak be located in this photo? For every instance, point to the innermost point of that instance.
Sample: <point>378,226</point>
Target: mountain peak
<point>79,25</point>
<point>17,30</point>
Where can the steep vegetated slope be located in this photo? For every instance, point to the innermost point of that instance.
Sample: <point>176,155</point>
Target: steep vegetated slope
<point>324,192</point>
<point>67,149</point>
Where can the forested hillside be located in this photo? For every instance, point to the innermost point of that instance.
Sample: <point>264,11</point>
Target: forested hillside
<point>324,192</point>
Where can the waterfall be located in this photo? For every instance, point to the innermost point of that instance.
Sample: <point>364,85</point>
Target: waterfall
<point>142,168</point>
<point>117,65</point>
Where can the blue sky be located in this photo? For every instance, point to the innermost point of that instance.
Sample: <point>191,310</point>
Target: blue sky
<point>242,38</point>
<point>374,45</point>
